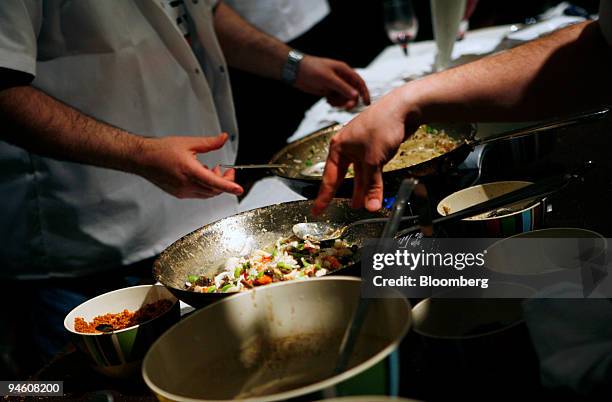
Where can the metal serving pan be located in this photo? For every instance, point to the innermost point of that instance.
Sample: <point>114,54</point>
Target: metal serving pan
<point>204,251</point>
<point>314,147</point>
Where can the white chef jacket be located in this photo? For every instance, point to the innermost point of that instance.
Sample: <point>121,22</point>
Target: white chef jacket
<point>125,63</point>
<point>283,19</point>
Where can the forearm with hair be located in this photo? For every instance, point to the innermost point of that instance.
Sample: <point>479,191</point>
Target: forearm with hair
<point>561,73</point>
<point>247,48</point>
<point>43,125</point>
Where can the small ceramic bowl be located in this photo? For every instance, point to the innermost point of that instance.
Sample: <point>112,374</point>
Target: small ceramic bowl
<point>523,217</point>
<point>119,353</point>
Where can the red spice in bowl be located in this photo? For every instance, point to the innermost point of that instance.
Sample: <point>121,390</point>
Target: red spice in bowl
<point>124,319</point>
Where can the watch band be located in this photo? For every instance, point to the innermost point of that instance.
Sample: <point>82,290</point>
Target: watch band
<point>291,67</point>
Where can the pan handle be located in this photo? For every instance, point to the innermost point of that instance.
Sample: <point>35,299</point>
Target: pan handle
<point>590,115</point>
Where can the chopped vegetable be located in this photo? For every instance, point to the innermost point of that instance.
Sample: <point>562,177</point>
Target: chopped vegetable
<point>284,266</point>
<point>290,258</point>
<point>264,280</point>
<point>226,287</point>
<point>429,129</point>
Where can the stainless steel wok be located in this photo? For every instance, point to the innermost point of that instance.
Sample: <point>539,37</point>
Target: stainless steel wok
<point>314,147</point>
<point>204,251</point>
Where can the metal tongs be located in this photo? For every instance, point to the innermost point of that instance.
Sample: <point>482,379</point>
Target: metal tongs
<point>407,187</point>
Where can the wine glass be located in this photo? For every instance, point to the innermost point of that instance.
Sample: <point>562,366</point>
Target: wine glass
<point>464,25</point>
<point>400,22</point>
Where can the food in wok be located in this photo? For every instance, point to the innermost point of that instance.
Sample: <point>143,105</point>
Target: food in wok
<point>425,144</point>
<point>288,259</point>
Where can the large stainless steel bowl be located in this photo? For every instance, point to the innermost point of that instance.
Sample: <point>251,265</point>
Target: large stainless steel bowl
<point>275,343</point>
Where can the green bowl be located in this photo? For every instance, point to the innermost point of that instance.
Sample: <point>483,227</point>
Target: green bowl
<point>119,353</point>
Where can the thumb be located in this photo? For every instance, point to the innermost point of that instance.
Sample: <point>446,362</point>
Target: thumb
<point>207,144</point>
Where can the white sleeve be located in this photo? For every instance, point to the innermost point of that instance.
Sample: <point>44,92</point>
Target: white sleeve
<point>605,19</point>
<point>20,22</point>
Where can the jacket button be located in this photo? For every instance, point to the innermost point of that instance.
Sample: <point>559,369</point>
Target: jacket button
<point>222,69</point>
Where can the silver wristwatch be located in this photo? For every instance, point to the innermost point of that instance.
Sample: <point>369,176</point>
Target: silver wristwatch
<point>291,67</point>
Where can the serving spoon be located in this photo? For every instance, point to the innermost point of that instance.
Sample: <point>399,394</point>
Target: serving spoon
<point>325,231</point>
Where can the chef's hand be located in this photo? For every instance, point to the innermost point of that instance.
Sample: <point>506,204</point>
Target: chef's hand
<point>368,142</point>
<point>170,163</point>
<point>333,79</point>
